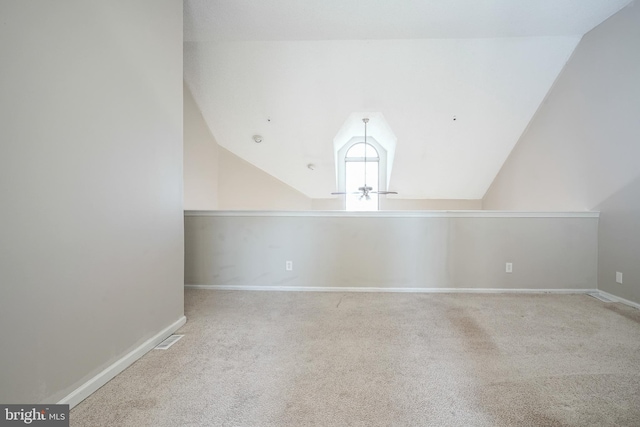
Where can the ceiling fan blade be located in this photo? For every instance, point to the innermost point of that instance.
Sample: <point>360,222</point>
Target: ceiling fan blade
<point>338,193</point>
<point>384,192</point>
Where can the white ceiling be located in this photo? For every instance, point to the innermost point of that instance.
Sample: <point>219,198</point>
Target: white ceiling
<point>294,70</point>
<point>234,20</point>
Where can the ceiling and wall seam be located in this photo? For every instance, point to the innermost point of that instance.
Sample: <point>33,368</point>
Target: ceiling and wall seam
<point>306,88</point>
<point>534,116</point>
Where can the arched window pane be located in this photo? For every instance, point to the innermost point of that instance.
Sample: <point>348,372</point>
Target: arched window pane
<point>358,150</point>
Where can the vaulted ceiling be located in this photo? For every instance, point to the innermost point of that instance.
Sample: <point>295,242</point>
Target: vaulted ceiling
<point>294,71</point>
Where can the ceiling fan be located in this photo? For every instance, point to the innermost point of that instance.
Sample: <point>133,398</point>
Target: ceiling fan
<point>365,190</point>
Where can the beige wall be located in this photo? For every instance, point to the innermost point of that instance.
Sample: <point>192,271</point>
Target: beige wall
<point>390,252</point>
<point>393,204</point>
<point>582,150</point>
<point>242,186</point>
<point>200,159</point>
<point>333,204</point>
<point>619,243</point>
<point>91,247</point>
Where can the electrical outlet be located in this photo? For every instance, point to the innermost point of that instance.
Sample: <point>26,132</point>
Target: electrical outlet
<point>509,267</point>
<point>288,265</point>
<point>618,277</point>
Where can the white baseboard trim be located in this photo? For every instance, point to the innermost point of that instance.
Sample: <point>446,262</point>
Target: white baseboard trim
<point>371,289</point>
<point>618,299</point>
<point>86,389</point>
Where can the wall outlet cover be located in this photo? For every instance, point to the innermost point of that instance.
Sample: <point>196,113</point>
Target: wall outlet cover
<point>509,267</point>
<point>618,277</point>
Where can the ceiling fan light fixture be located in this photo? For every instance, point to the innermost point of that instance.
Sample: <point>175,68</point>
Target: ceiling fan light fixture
<point>257,139</point>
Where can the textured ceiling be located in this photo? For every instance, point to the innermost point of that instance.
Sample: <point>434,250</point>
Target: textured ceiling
<point>294,70</point>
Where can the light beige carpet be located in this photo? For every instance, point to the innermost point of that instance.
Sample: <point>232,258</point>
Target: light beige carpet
<point>366,359</point>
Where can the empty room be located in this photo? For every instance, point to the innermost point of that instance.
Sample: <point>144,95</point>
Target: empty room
<point>338,213</point>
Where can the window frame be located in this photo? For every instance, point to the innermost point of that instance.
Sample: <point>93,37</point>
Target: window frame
<point>381,159</point>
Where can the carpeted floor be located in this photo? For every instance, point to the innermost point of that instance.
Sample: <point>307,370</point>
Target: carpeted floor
<point>383,359</point>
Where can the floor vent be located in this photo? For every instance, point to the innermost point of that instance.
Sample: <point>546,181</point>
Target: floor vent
<point>598,295</point>
<point>164,345</point>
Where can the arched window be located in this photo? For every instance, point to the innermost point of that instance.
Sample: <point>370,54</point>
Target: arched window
<point>351,177</point>
<point>362,176</point>
<point>353,150</point>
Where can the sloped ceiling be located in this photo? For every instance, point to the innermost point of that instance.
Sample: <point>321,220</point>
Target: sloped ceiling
<point>294,71</point>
